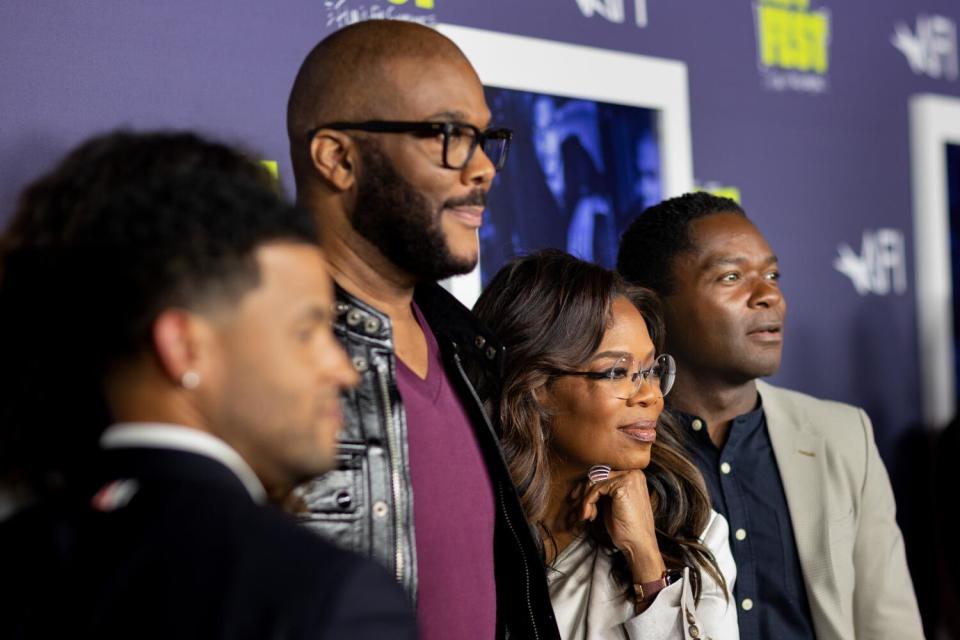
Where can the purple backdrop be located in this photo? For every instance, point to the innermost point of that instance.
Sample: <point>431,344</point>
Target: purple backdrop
<point>815,169</point>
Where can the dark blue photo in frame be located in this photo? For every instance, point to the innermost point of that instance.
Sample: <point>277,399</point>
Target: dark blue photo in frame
<point>578,172</point>
<point>953,205</point>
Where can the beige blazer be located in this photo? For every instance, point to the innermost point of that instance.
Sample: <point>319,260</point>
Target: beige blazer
<point>844,518</point>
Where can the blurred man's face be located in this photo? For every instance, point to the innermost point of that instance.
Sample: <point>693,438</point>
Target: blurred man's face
<point>279,371</point>
<point>422,216</point>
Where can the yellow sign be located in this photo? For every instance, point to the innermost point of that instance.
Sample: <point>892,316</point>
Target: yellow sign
<point>722,191</point>
<point>271,166</point>
<point>420,4</point>
<point>793,37</point>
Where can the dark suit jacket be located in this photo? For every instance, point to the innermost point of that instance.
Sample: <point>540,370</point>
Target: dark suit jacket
<point>189,556</point>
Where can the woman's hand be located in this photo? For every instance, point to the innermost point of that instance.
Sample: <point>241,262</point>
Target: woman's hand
<point>628,516</point>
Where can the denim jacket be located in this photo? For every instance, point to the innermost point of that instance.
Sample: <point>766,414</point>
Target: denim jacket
<point>365,504</point>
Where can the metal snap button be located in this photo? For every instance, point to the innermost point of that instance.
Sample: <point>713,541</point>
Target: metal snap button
<point>372,325</point>
<point>354,317</point>
<point>360,364</point>
<point>480,341</point>
<point>491,353</point>
<point>380,509</point>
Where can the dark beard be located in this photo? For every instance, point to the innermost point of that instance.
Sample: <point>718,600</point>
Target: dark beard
<point>397,219</point>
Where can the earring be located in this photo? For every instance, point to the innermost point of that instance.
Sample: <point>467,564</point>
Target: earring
<point>190,380</point>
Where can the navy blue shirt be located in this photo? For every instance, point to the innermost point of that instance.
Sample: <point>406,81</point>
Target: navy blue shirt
<point>744,484</point>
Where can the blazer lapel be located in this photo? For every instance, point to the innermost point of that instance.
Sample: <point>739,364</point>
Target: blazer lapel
<point>801,457</point>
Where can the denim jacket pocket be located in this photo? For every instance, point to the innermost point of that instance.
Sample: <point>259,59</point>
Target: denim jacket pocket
<point>336,502</point>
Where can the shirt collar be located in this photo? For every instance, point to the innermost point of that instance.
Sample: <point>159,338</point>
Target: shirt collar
<point>745,422</point>
<point>155,435</point>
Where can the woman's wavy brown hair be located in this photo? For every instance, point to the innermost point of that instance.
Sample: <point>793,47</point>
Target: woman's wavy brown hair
<point>551,310</point>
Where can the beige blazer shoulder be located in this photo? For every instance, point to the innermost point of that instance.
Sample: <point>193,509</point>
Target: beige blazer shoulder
<point>844,518</point>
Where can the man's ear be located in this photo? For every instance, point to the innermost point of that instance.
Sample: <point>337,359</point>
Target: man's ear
<point>333,155</point>
<point>179,341</point>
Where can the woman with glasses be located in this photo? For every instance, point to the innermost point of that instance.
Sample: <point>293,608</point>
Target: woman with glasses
<point>631,546</point>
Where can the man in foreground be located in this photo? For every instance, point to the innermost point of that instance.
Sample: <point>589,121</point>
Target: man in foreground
<point>393,155</point>
<point>811,511</point>
<point>157,284</point>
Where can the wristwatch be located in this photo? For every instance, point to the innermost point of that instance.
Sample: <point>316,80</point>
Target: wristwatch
<point>644,592</point>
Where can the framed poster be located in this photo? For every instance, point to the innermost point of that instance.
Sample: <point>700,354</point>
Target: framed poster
<point>598,136</point>
<point>579,171</point>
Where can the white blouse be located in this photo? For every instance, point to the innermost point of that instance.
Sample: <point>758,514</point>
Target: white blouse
<point>590,605</point>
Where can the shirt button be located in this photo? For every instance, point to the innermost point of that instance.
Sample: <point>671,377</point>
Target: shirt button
<point>380,509</point>
<point>747,604</point>
<point>697,424</point>
<point>740,534</point>
<point>725,468</point>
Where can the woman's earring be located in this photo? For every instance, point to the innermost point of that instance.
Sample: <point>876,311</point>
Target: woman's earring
<point>190,380</point>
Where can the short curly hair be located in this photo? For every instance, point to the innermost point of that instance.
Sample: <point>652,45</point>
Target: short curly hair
<point>126,226</point>
<point>652,241</point>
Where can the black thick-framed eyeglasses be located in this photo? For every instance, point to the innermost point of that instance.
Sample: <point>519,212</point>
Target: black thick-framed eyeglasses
<point>460,139</point>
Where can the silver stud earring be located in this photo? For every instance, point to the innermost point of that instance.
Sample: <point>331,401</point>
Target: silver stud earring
<point>190,380</point>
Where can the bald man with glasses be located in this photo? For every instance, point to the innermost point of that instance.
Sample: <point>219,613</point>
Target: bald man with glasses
<point>394,154</point>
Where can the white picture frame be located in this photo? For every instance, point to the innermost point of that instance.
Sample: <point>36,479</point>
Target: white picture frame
<point>568,70</point>
<point>934,123</point>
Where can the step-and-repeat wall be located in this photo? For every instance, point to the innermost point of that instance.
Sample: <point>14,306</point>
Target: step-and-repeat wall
<point>835,124</point>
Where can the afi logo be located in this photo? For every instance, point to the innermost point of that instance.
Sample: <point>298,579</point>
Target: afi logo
<point>613,10</point>
<point>932,50</point>
<point>881,266</point>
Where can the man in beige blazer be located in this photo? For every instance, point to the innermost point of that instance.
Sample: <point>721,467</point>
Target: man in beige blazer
<point>812,516</point>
